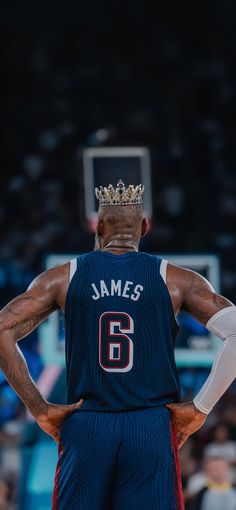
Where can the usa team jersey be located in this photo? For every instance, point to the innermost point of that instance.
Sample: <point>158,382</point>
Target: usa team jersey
<point>120,333</point>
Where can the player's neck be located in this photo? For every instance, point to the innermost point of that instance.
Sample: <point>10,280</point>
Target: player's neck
<point>120,246</point>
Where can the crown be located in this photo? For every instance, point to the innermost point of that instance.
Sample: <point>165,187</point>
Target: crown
<point>120,195</point>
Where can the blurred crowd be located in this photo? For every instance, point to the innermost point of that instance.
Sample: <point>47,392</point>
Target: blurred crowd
<point>165,84</point>
<point>69,89</point>
<point>208,464</point>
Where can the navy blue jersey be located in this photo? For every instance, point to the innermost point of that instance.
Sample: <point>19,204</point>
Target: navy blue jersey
<point>120,333</point>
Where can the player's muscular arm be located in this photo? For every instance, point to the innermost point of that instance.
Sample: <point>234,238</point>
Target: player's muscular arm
<point>46,293</point>
<point>18,319</point>
<point>193,293</point>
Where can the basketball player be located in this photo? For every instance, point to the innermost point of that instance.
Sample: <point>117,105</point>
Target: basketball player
<point>118,434</point>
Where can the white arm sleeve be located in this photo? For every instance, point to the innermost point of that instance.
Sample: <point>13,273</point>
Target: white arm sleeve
<point>223,372</point>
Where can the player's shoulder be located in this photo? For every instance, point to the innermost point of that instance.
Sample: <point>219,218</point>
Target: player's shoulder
<point>186,276</point>
<point>54,275</point>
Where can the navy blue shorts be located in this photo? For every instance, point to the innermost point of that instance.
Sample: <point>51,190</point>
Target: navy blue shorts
<point>118,461</point>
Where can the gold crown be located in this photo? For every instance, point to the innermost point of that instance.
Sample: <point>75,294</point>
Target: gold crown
<point>120,195</point>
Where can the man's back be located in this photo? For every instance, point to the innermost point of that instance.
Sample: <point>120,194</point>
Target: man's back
<point>120,332</point>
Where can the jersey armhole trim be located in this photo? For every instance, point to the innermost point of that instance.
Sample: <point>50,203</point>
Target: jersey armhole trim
<point>73,267</point>
<point>163,269</point>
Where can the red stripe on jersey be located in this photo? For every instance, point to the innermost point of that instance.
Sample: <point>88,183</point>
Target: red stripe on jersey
<point>177,473</point>
<point>55,496</point>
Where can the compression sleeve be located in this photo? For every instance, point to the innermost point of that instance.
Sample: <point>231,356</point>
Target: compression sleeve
<point>223,372</point>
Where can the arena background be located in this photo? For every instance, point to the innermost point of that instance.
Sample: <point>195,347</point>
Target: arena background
<point>101,74</point>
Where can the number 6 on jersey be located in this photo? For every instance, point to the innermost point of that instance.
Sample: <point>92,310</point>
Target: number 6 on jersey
<point>115,346</point>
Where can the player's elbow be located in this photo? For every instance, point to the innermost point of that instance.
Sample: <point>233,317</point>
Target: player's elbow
<point>6,329</point>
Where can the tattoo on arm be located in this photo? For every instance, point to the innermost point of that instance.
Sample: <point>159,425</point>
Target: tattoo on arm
<point>24,328</point>
<point>220,302</point>
<point>19,318</point>
<point>12,361</point>
<point>17,374</point>
<point>201,301</point>
<point>21,315</point>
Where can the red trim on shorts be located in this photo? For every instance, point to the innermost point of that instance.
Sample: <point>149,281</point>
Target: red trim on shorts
<point>177,473</point>
<point>55,496</point>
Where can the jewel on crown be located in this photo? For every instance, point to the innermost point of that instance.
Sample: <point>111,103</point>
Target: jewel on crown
<point>120,195</point>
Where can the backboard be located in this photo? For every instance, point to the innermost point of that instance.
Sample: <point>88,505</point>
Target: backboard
<point>106,165</point>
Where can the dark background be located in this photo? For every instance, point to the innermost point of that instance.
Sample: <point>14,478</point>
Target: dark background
<point>161,76</point>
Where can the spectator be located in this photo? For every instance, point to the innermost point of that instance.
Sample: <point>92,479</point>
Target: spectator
<point>3,496</point>
<point>221,446</point>
<point>218,492</point>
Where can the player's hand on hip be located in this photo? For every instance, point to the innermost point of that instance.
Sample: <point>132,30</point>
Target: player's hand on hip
<point>187,420</point>
<point>51,419</point>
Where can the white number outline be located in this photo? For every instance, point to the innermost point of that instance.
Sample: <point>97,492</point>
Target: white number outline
<point>121,333</point>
